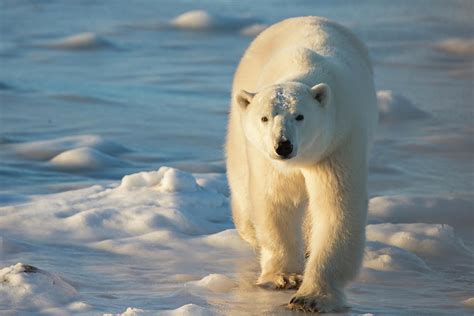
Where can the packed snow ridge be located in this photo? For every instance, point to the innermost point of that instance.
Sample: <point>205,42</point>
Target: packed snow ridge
<point>461,47</point>
<point>201,20</point>
<point>395,108</point>
<point>74,153</point>
<point>31,289</point>
<point>82,41</point>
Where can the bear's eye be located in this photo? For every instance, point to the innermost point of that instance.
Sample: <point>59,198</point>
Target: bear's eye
<point>264,119</point>
<point>299,117</point>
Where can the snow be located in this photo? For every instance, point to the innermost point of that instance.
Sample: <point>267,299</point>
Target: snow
<point>254,29</point>
<point>82,41</point>
<point>425,240</point>
<point>452,145</point>
<point>118,196</point>
<point>130,311</point>
<point>469,302</point>
<point>193,20</point>
<point>4,86</point>
<point>75,154</point>
<point>145,202</point>
<point>48,149</point>
<point>27,288</point>
<point>455,212</point>
<point>201,20</point>
<point>214,282</point>
<point>457,46</point>
<point>382,257</point>
<point>8,246</point>
<point>84,159</point>
<point>182,222</point>
<point>190,310</point>
<point>394,107</point>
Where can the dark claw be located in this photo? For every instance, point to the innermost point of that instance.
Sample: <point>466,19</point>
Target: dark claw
<point>303,305</point>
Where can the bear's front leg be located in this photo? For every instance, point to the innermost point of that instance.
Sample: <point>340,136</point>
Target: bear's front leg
<point>277,221</point>
<point>338,210</point>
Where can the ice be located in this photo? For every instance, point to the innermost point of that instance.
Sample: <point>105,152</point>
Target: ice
<point>456,212</point>
<point>190,310</point>
<point>380,256</point>
<point>457,146</point>
<point>86,130</point>
<point>167,180</point>
<point>194,20</point>
<point>9,246</point>
<point>214,282</point>
<point>254,29</point>
<point>82,41</point>
<point>185,310</point>
<point>142,179</point>
<point>176,180</point>
<point>457,46</point>
<point>177,226</point>
<point>426,240</point>
<point>130,311</point>
<point>227,239</point>
<point>394,107</point>
<point>84,159</point>
<point>27,288</point>
<point>4,86</point>
<point>469,302</point>
<point>76,154</point>
<point>142,203</point>
<point>215,181</point>
<point>48,149</point>
<point>201,20</point>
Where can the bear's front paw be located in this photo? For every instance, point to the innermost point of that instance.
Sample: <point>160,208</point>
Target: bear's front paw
<point>315,304</point>
<point>280,281</point>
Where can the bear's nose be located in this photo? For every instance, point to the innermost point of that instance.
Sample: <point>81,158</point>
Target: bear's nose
<point>284,149</point>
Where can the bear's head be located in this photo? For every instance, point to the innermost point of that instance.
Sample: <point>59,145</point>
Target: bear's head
<point>289,122</point>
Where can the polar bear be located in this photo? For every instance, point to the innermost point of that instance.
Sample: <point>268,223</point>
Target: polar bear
<point>302,117</point>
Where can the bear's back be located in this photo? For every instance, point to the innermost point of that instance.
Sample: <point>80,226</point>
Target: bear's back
<point>324,37</point>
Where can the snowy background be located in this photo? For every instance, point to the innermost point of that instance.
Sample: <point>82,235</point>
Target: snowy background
<point>113,196</point>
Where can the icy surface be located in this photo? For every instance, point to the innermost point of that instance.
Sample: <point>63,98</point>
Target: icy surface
<point>214,282</point>
<point>83,41</point>
<point>254,29</point>
<point>201,20</point>
<point>26,288</point>
<point>48,149</point>
<point>175,228</point>
<point>84,159</point>
<point>112,175</point>
<point>457,46</point>
<point>457,213</point>
<point>396,108</point>
<point>190,310</point>
<point>426,240</point>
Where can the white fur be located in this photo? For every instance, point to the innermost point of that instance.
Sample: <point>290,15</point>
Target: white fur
<point>317,200</point>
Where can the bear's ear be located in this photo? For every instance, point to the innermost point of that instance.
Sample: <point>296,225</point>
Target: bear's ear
<point>244,98</point>
<point>321,93</point>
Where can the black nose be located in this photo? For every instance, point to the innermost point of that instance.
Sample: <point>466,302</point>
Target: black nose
<point>284,149</point>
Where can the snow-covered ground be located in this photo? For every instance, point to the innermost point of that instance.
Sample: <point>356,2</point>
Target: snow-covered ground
<point>113,195</point>
<point>167,237</point>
